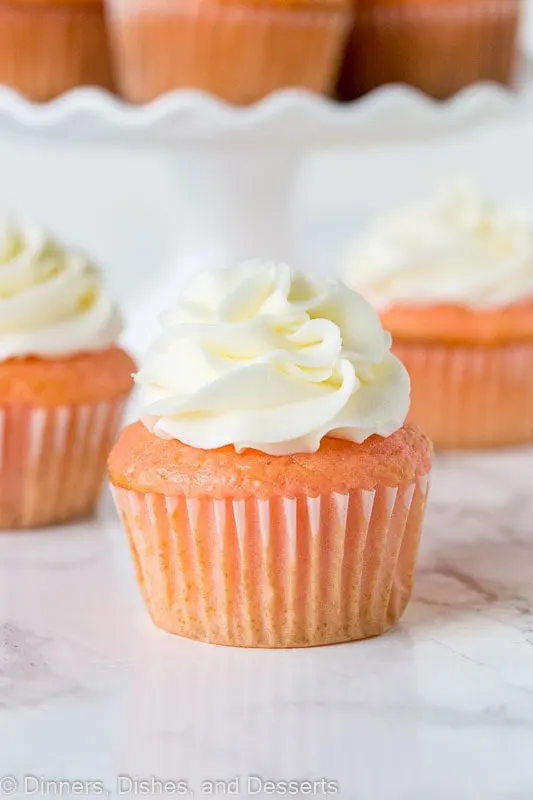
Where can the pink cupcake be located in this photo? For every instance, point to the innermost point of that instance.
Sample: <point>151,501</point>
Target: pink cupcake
<point>239,51</point>
<point>271,494</point>
<point>437,46</point>
<point>64,380</point>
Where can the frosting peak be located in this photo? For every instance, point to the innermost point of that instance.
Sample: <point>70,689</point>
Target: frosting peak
<point>52,301</point>
<point>457,248</point>
<point>261,356</point>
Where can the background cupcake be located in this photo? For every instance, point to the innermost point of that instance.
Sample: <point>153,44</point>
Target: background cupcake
<point>63,380</point>
<point>271,495</point>
<point>50,46</point>
<point>453,281</point>
<point>438,46</point>
<point>240,51</point>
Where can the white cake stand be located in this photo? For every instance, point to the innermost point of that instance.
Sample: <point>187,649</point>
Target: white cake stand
<point>235,168</point>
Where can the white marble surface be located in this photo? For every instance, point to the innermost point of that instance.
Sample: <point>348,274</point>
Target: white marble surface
<point>442,707</point>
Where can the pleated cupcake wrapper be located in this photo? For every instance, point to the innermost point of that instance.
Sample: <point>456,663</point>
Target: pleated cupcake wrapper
<point>281,572</point>
<point>437,47</point>
<point>471,396</point>
<point>238,52</point>
<point>47,49</point>
<point>52,461</point>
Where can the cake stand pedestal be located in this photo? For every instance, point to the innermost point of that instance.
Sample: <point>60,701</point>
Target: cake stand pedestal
<point>234,204</point>
<point>235,169</point>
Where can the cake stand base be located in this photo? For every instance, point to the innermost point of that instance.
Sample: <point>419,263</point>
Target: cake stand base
<point>233,205</point>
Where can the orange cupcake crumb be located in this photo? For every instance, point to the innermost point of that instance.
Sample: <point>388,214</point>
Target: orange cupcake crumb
<point>84,378</point>
<point>448,323</point>
<point>143,462</point>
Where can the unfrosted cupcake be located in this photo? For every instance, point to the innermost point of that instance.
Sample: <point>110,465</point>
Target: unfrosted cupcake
<point>453,281</point>
<point>240,51</point>
<point>50,46</point>
<point>438,46</point>
<point>63,380</point>
<point>271,494</point>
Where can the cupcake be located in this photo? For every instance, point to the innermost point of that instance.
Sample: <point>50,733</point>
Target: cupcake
<point>63,380</point>
<point>453,281</point>
<point>438,46</point>
<point>240,51</point>
<point>271,494</point>
<point>50,46</point>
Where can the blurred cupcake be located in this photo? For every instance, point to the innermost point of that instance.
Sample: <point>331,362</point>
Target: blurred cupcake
<point>438,46</point>
<point>271,495</point>
<point>453,281</point>
<point>50,46</point>
<point>240,51</point>
<point>63,381</point>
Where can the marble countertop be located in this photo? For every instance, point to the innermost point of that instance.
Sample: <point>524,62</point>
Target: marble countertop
<point>442,707</point>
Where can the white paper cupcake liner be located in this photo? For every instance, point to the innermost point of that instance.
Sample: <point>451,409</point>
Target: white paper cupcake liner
<point>282,572</point>
<point>238,52</point>
<point>52,461</point>
<point>438,47</point>
<point>471,396</point>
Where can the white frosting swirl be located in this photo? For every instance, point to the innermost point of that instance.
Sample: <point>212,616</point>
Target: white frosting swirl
<point>263,357</point>
<point>52,300</point>
<point>458,248</point>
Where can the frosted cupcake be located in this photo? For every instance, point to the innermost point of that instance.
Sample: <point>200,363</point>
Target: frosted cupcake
<point>50,46</point>
<point>239,51</point>
<point>63,380</point>
<point>271,494</point>
<point>453,281</point>
<point>438,46</point>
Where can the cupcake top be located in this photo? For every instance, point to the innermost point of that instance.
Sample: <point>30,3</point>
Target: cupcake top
<point>52,299</point>
<point>264,357</point>
<point>146,463</point>
<point>457,248</point>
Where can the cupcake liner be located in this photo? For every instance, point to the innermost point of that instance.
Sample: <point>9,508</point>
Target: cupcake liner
<point>48,48</point>
<point>279,572</point>
<point>238,53</point>
<point>438,47</point>
<point>52,461</point>
<point>471,396</point>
